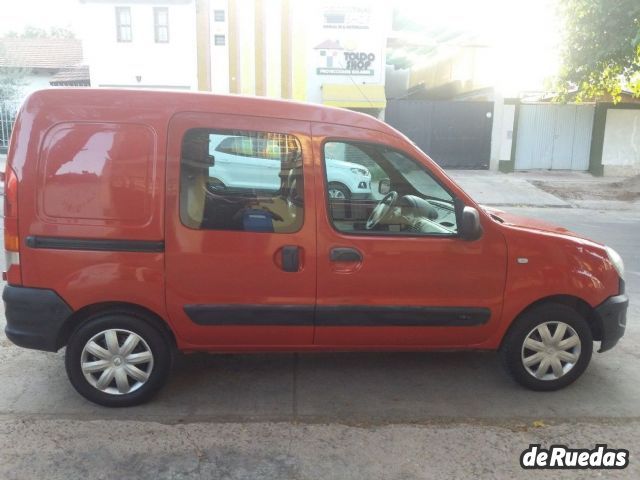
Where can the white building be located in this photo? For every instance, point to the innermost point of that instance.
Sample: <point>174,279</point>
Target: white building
<point>140,43</point>
<point>327,51</point>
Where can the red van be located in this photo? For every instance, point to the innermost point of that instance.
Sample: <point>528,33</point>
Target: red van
<point>124,245</point>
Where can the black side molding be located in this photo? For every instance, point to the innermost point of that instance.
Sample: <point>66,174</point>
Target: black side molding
<point>95,244</point>
<point>265,315</point>
<point>337,316</point>
<point>392,316</point>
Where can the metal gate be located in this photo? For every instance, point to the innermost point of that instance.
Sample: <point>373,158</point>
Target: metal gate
<point>554,137</point>
<point>454,134</point>
<point>8,111</point>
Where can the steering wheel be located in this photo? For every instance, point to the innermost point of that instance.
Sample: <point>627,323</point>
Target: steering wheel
<point>381,211</point>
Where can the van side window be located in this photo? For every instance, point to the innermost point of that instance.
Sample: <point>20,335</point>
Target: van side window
<point>243,181</point>
<point>402,197</point>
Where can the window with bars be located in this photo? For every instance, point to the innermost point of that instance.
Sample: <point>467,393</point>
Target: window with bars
<point>161,24</point>
<point>123,24</point>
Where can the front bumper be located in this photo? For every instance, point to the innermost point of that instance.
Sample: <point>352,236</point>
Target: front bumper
<point>612,314</point>
<point>35,317</point>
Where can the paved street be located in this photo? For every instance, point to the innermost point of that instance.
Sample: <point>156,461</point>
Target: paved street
<point>374,415</point>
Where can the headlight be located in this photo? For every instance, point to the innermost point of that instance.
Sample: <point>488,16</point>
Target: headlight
<point>361,171</point>
<point>616,260</point>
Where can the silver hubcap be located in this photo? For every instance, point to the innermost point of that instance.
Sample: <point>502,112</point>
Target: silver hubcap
<point>116,361</point>
<point>334,193</point>
<point>551,350</point>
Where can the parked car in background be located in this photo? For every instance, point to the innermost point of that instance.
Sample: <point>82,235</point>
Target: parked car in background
<point>123,246</point>
<point>247,163</point>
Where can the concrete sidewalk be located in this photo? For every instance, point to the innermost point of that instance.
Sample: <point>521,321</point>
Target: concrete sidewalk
<point>550,189</point>
<point>504,189</point>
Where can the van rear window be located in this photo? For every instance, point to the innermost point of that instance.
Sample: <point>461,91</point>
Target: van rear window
<point>97,173</point>
<point>241,180</point>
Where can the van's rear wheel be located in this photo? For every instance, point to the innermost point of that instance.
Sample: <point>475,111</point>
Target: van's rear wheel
<point>118,360</point>
<point>548,347</point>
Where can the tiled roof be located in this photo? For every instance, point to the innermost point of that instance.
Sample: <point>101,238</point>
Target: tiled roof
<point>78,75</point>
<point>51,53</point>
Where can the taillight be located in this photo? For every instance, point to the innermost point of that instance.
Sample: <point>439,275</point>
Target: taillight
<point>11,239</point>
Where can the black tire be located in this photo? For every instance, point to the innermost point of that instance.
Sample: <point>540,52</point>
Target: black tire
<point>512,352</point>
<point>158,369</point>
<point>341,188</point>
<point>215,184</point>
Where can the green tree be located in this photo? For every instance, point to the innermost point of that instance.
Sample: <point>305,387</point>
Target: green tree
<point>37,32</point>
<point>601,54</point>
<point>12,79</point>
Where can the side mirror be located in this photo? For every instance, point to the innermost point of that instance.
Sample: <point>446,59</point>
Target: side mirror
<point>470,228</point>
<point>384,186</point>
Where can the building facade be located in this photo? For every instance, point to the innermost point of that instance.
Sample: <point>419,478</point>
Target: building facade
<point>323,52</point>
<point>327,51</point>
<point>140,43</point>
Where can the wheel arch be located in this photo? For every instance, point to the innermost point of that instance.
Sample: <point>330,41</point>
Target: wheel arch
<point>79,317</point>
<point>579,305</point>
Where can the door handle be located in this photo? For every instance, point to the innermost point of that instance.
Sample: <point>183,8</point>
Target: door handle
<point>345,254</point>
<point>290,258</point>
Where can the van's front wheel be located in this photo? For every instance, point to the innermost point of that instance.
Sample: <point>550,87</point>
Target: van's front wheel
<point>548,347</point>
<point>117,360</point>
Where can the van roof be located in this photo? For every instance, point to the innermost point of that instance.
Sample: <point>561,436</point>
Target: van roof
<point>172,102</point>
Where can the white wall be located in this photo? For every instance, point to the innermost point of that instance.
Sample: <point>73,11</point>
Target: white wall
<point>502,132</point>
<point>506,132</point>
<point>159,65</point>
<point>621,149</point>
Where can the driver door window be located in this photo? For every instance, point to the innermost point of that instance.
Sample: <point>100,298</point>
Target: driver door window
<point>402,198</point>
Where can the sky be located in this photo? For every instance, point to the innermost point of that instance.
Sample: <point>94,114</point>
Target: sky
<point>522,33</point>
